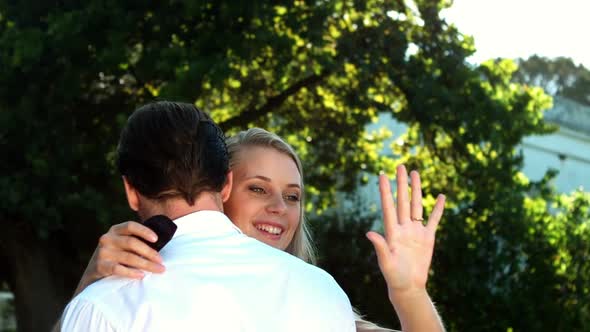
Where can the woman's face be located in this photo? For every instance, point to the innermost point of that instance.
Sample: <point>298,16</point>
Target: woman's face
<point>265,198</point>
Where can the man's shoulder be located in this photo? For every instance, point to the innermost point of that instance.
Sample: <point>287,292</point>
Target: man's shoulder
<point>315,289</point>
<point>97,306</point>
<point>106,288</point>
<point>305,272</point>
<point>108,295</point>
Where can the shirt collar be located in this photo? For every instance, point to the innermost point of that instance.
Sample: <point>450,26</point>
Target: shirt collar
<point>204,223</point>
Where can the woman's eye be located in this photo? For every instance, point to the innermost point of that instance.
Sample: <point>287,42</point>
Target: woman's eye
<point>292,198</point>
<point>257,190</point>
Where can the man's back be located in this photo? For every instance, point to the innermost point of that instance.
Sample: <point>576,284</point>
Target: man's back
<point>216,279</point>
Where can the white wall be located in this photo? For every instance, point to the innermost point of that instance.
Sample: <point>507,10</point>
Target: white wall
<point>567,150</point>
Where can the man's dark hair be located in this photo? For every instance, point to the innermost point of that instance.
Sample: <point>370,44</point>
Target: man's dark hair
<point>172,149</point>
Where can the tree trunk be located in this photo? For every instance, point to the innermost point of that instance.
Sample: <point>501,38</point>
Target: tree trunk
<point>40,276</point>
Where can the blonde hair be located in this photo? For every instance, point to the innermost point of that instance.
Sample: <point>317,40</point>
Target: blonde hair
<point>366,326</point>
<point>301,246</point>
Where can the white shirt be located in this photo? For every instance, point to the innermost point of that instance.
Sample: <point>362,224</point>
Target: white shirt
<point>216,279</point>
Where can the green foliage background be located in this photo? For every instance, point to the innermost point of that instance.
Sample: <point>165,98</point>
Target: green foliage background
<point>510,253</point>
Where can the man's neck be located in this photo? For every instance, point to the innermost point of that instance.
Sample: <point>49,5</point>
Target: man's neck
<point>175,208</point>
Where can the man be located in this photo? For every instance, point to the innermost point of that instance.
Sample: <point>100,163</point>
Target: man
<point>174,162</point>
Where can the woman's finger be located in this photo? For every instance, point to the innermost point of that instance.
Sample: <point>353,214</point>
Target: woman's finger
<point>403,201</point>
<point>107,260</point>
<point>416,211</point>
<point>135,229</point>
<point>127,272</point>
<point>106,266</point>
<point>137,262</point>
<point>134,245</point>
<point>436,214</point>
<point>382,250</point>
<point>387,206</point>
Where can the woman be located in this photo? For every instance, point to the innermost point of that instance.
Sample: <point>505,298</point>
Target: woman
<point>266,203</point>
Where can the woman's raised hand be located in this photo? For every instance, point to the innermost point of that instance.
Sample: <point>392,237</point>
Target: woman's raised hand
<point>405,253</point>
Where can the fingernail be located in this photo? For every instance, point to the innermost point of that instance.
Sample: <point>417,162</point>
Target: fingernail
<point>381,172</point>
<point>159,268</point>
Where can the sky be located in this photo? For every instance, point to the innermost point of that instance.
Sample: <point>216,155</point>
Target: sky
<point>520,28</point>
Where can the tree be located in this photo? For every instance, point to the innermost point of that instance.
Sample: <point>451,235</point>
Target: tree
<point>71,74</point>
<point>510,254</point>
<point>558,77</point>
<point>314,72</point>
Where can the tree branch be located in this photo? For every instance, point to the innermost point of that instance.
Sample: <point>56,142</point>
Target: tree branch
<point>253,113</point>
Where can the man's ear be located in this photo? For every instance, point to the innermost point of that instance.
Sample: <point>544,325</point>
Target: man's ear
<point>226,190</point>
<point>132,195</point>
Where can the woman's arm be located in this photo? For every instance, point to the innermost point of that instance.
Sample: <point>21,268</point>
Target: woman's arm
<point>416,311</point>
<point>405,253</point>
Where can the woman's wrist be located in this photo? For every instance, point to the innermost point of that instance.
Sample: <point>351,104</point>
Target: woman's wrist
<point>415,310</point>
<point>407,298</point>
